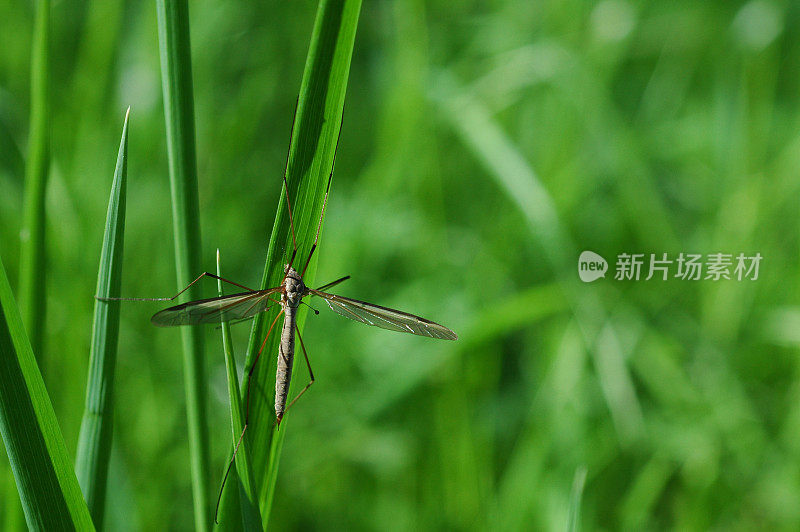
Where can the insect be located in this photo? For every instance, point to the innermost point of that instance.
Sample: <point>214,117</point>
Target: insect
<point>292,290</point>
<point>290,293</point>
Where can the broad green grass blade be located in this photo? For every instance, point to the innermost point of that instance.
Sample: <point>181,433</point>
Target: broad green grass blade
<point>176,78</point>
<point>243,475</point>
<point>94,443</point>
<point>311,155</point>
<point>50,494</point>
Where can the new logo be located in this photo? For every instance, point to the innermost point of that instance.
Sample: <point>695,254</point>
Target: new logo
<point>591,266</point>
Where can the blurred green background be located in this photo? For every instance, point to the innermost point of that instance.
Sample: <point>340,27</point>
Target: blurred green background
<point>485,145</point>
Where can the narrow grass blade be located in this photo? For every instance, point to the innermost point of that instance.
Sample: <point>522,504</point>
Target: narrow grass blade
<point>574,513</point>
<point>50,494</point>
<point>176,78</point>
<point>94,443</point>
<point>311,154</point>
<point>32,238</point>
<point>251,520</point>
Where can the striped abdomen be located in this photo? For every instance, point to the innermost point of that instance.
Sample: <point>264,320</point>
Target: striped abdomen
<point>283,372</point>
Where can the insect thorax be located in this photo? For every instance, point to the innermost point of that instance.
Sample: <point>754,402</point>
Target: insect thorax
<point>294,288</point>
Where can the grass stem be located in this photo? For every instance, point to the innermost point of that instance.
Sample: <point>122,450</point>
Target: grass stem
<point>176,78</point>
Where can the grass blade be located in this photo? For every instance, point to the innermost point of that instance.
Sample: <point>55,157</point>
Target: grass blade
<point>32,241</point>
<point>176,78</point>
<point>251,520</point>
<point>311,154</point>
<point>48,488</point>
<point>574,512</point>
<point>94,442</point>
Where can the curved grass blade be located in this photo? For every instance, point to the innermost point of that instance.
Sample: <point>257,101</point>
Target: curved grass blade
<point>176,79</point>
<point>311,153</point>
<point>94,442</point>
<point>50,494</point>
<point>243,473</point>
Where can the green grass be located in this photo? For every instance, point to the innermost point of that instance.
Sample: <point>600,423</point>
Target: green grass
<point>32,278</point>
<point>484,146</point>
<point>311,153</point>
<point>97,426</point>
<point>46,482</point>
<point>574,515</point>
<point>33,287</point>
<point>176,80</point>
<point>242,475</point>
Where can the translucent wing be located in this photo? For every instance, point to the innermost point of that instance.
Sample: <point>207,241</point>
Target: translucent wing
<point>385,318</point>
<point>215,309</point>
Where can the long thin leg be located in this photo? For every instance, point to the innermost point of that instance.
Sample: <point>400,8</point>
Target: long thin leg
<point>310,373</point>
<point>204,274</point>
<point>227,472</point>
<point>286,184</point>
<point>253,367</point>
<point>334,283</point>
<point>246,416</point>
<point>325,200</point>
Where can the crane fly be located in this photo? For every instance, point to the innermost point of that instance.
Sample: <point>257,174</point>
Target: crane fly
<point>291,291</point>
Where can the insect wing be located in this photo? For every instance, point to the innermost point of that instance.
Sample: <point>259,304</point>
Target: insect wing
<point>385,318</point>
<point>215,309</point>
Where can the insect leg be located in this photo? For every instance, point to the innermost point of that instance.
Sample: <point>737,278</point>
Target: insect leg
<point>246,416</point>
<point>286,184</point>
<point>227,472</point>
<point>334,283</point>
<point>325,200</point>
<point>204,274</point>
<point>253,367</point>
<point>310,373</point>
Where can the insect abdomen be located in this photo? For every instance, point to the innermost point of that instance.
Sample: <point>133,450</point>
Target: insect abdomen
<point>283,372</point>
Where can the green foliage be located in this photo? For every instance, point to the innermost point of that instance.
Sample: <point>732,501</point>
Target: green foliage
<point>243,473</point>
<point>32,278</point>
<point>51,497</point>
<point>97,426</point>
<point>484,146</point>
<point>574,514</point>
<point>176,80</point>
<point>32,249</point>
<point>310,162</point>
